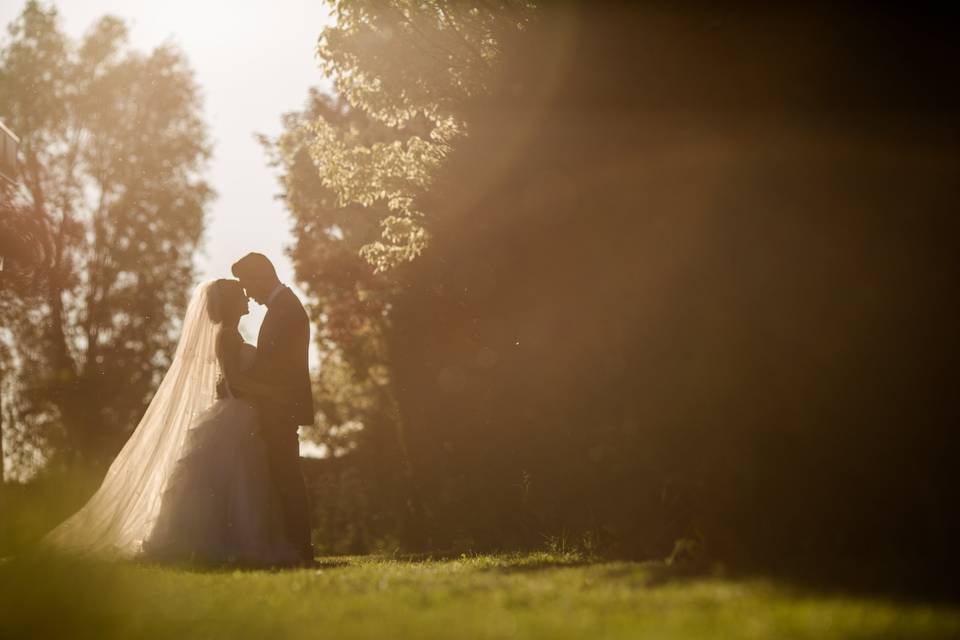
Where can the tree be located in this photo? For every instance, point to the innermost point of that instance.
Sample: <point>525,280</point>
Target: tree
<point>697,300</point>
<point>23,238</point>
<point>112,148</point>
<point>349,303</point>
<point>350,171</point>
<point>409,66</point>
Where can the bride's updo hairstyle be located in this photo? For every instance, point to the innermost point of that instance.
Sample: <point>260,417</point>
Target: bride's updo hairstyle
<point>219,298</point>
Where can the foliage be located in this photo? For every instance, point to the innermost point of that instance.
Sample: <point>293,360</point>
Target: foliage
<point>692,304</point>
<point>504,596</point>
<point>112,146</point>
<point>673,303</point>
<point>349,170</point>
<point>409,66</point>
<point>350,306</point>
<point>23,239</point>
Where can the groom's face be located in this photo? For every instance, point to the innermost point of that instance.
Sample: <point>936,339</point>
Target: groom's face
<point>253,288</point>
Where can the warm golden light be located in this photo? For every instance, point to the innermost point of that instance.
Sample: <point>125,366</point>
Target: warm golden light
<point>644,310</point>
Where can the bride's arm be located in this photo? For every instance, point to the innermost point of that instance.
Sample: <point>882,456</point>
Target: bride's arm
<point>228,353</point>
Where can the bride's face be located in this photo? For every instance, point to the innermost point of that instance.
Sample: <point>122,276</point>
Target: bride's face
<point>240,302</point>
<point>235,303</point>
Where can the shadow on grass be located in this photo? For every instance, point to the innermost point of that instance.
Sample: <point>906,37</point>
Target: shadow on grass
<point>897,584</point>
<point>45,558</point>
<point>658,573</point>
<point>505,562</point>
<point>918,587</point>
<point>231,568</point>
<point>527,566</point>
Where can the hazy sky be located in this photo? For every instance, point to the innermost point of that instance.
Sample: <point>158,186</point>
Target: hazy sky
<point>254,60</point>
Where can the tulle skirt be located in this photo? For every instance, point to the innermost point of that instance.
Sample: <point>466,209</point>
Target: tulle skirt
<point>219,506</point>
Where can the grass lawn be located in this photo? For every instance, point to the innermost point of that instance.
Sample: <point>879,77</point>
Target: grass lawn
<point>529,596</point>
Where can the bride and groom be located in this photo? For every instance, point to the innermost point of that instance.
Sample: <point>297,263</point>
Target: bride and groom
<point>211,474</point>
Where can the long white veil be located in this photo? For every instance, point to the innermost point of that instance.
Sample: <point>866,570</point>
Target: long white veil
<point>121,514</point>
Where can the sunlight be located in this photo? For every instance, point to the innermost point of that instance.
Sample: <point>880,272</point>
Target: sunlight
<point>440,306</point>
<point>203,27</point>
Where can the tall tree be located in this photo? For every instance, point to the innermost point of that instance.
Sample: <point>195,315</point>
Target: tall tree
<point>350,303</point>
<point>697,299</point>
<point>23,238</point>
<point>113,147</point>
<point>410,66</point>
<point>351,169</point>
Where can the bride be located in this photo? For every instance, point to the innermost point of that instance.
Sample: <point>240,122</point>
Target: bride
<point>192,483</point>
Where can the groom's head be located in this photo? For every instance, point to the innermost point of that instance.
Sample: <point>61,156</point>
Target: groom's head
<point>256,275</point>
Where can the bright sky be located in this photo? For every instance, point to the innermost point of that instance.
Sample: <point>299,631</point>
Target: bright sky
<point>254,60</point>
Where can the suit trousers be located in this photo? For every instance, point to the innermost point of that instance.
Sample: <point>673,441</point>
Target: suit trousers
<point>283,455</point>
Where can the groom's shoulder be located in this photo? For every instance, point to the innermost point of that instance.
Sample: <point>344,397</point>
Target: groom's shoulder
<point>291,302</point>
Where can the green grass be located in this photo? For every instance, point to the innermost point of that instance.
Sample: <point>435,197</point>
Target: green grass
<point>528,596</point>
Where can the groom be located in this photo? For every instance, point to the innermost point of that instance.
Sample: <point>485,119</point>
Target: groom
<point>282,348</point>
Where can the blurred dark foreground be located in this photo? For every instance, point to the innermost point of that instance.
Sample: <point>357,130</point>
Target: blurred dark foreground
<point>689,291</point>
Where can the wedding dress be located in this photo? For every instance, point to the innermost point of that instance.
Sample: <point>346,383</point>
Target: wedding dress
<point>192,483</point>
<point>218,507</point>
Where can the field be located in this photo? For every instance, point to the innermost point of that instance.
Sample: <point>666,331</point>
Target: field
<point>509,596</point>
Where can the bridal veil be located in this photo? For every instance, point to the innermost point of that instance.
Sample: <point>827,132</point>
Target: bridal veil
<point>122,512</point>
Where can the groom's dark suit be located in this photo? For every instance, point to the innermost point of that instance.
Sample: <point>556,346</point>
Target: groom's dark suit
<point>282,351</point>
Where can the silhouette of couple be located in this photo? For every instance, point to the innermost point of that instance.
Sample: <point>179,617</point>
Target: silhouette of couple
<point>211,475</point>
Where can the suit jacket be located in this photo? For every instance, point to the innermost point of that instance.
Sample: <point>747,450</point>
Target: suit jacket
<point>282,351</point>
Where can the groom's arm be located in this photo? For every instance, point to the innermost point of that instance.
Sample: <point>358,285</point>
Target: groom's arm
<point>285,343</point>
<point>242,383</point>
<point>255,389</point>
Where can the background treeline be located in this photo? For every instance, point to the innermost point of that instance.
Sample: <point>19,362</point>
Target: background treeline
<point>99,234</point>
<point>687,277</point>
